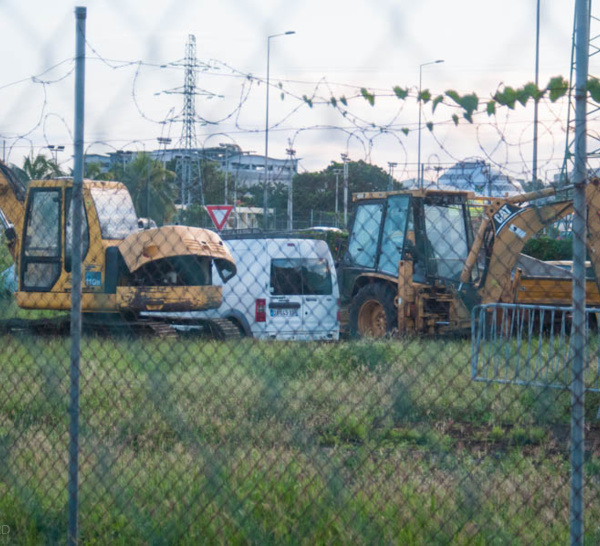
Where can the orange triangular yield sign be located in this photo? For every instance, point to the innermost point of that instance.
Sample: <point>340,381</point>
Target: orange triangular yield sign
<point>219,214</point>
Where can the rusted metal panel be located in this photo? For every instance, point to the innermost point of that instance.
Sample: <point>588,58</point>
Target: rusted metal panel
<point>168,298</point>
<point>138,249</point>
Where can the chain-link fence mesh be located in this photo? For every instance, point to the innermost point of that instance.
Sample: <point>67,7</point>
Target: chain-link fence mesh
<point>399,378</point>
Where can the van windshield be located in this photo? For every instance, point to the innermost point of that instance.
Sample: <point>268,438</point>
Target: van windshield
<point>300,277</point>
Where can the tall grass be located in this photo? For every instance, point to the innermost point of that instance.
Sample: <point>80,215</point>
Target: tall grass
<point>189,441</point>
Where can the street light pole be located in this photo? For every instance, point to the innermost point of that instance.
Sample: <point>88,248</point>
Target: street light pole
<point>337,176</point>
<point>266,177</point>
<point>345,160</point>
<point>419,175</point>
<point>391,165</point>
<point>535,104</point>
<point>54,151</point>
<point>290,204</point>
<point>226,148</point>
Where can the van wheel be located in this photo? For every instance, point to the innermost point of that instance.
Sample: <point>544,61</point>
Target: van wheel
<point>372,312</point>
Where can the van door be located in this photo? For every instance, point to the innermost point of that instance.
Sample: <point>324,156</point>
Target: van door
<point>320,291</point>
<point>284,312</point>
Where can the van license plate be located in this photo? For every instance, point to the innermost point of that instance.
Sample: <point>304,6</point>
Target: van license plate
<point>284,312</point>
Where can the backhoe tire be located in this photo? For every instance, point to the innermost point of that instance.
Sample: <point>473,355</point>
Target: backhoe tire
<point>373,312</point>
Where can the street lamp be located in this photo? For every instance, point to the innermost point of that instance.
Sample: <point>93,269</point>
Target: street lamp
<point>266,181</point>
<point>54,151</point>
<point>419,176</point>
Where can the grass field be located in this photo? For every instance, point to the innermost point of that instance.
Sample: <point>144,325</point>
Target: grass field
<point>190,441</point>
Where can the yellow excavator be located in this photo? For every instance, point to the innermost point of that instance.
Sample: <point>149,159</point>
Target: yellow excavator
<point>415,264</point>
<point>126,270</point>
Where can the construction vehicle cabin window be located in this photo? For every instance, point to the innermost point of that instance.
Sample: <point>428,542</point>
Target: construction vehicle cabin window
<point>116,212</point>
<point>394,232</point>
<point>448,241</point>
<point>362,246</point>
<point>41,253</point>
<point>69,231</point>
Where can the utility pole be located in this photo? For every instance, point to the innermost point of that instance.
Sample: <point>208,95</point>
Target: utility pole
<point>345,160</point>
<point>226,148</point>
<point>337,173</point>
<point>290,204</point>
<point>535,104</point>
<point>391,165</point>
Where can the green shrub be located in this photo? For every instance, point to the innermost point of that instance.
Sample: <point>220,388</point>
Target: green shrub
<point>548,248</point>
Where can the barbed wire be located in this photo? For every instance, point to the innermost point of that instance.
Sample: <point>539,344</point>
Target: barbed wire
<point>363,115</point>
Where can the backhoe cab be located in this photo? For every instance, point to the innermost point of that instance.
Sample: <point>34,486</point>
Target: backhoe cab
<point>413,243</point>
<point>125,270</point>
<point>414,263</point>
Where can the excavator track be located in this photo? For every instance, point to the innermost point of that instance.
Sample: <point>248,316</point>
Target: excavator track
<point>218,329</point>
<point>223,329</point>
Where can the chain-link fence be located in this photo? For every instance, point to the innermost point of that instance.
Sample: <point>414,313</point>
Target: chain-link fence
<point>421,377</point>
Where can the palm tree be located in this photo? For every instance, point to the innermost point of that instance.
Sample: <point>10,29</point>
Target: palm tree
<point>39,167</point>
<point>151,188</point>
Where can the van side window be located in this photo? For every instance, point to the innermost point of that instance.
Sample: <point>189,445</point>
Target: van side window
<point>300,276</point>
<point>316,277</point>
<point>286,277</point>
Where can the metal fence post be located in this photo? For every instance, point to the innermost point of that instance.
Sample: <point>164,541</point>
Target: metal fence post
<point>579,244</point>
<point>77,204</point>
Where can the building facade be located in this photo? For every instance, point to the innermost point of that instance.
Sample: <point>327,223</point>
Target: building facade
<point>246,168</point>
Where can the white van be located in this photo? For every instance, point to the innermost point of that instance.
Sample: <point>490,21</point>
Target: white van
<point>284,289</point>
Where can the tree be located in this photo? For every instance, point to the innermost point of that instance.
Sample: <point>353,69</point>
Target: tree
<point>150,186</point>
<point>38,167</point>
<point>94,171</point>
<point>316,191</point>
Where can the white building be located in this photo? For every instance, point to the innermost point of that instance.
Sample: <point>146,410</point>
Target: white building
<point>479,177</point>
<point>246,168</point>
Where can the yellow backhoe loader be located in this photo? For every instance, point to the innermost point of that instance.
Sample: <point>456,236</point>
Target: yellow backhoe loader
<point>414,263</point>
<point>125,270</point>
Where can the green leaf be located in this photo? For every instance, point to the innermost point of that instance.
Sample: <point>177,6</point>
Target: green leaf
<point>491,108</point>
<point>506,97</point>
<point>307,101</point>
<point>400,92</point>
<point>453,95</point>
<point>344,101</point>
<point>558,88</point>
<point>470,103</point>
<point>436,101</point>
<point>405,130</point>
<point>429,125</point>
<point>468,117</point>
<point>369,97</point>
<point>534,92</point>
<point>333,102</point>
<point>593,87</point>
<point>455,119</point>
<point>424,96</point>
<point>282,96</point>
<point>523,96</point>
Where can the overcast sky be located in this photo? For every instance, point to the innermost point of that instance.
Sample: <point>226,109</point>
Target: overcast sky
<point>133,76</point>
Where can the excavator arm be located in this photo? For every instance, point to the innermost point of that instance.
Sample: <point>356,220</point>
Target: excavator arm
<point>12,206</point>
<point>507,227</point>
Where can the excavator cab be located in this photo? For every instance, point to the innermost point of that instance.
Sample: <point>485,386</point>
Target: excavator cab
<point>125,269</point>
<point>405,256</point>
<point>431,229</point>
